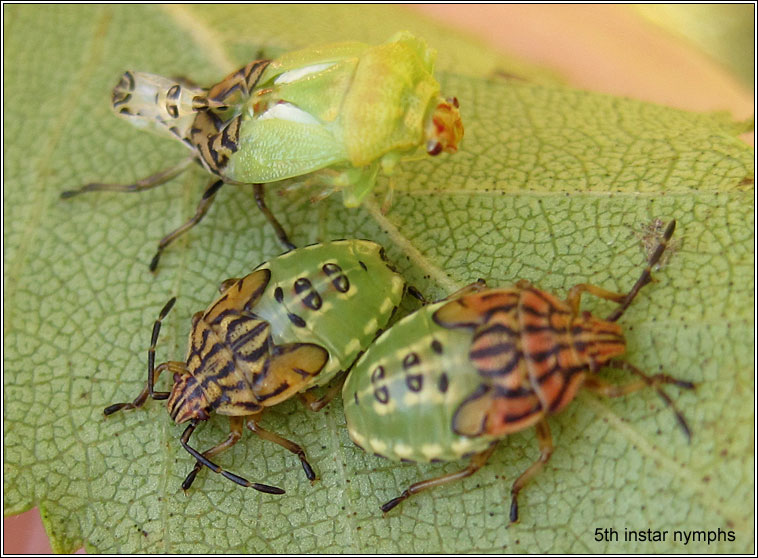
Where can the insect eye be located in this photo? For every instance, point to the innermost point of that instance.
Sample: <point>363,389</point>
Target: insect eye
<point>453,101</point>
<point>433,147</point>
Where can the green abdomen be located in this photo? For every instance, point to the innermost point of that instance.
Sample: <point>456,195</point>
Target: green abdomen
<point>402,394</point>
<point>337,295</point>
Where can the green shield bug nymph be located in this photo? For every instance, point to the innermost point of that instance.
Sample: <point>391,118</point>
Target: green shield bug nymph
<point>334,114</point>
<point>455,377</point>
<point>348,107</point>
<point>295,322</point>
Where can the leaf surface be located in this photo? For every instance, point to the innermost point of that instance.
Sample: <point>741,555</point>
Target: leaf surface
<point>552,185</point>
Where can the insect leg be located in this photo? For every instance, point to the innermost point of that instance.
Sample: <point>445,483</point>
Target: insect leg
<point>184,440</point>
<point>235,425</point>
<point>471,288</point>
<point>575,294</point>
<point>252,424</point>
<point>476,463</point>
<point>146,183</point>
<point>388,195</point>
<point>546,450</point>
<point>278,229</point>
<point>600,386</point>
<point>202,208</point>
<point>314,403</point>
<point>152,372</point>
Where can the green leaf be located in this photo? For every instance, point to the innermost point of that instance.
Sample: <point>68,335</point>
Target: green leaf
<point>551,185</point>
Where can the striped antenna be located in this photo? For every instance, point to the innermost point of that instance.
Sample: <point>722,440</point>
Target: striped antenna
<point>646,277</point>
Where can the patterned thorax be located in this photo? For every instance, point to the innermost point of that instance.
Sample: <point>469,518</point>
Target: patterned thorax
<point>455,376</point>
<point>293,323</point>
<point>531,351</point>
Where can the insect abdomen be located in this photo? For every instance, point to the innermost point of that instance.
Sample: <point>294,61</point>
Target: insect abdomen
<point>337,295</point>
<point>402,394</point>
<point>163,105</point>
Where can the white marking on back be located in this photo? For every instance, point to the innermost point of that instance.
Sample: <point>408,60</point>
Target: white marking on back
<point>411,399</point>
<point>425,397</point>
<point>286,255</point>
<point>288,112</point>
<point>353,346</point>
<point>382,409</point>
<point>379,446</point>
<point>371,326</point>
<point>403,451</point>
<point>386,306</point>
<point>431,451</point>
<point>294,75</point>
<point>357,438</point>
<point>462,446</point>
<point>398,283</point>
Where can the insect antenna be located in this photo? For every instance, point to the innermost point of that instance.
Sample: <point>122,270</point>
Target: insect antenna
<point>151,352</point>
<point>646,277</point>
<point>280,232</point>
<point>152,373</point>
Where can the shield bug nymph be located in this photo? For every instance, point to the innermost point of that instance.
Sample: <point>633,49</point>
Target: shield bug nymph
<point>335,115</point>
<point>457,376</point>
<point>295,322</point>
